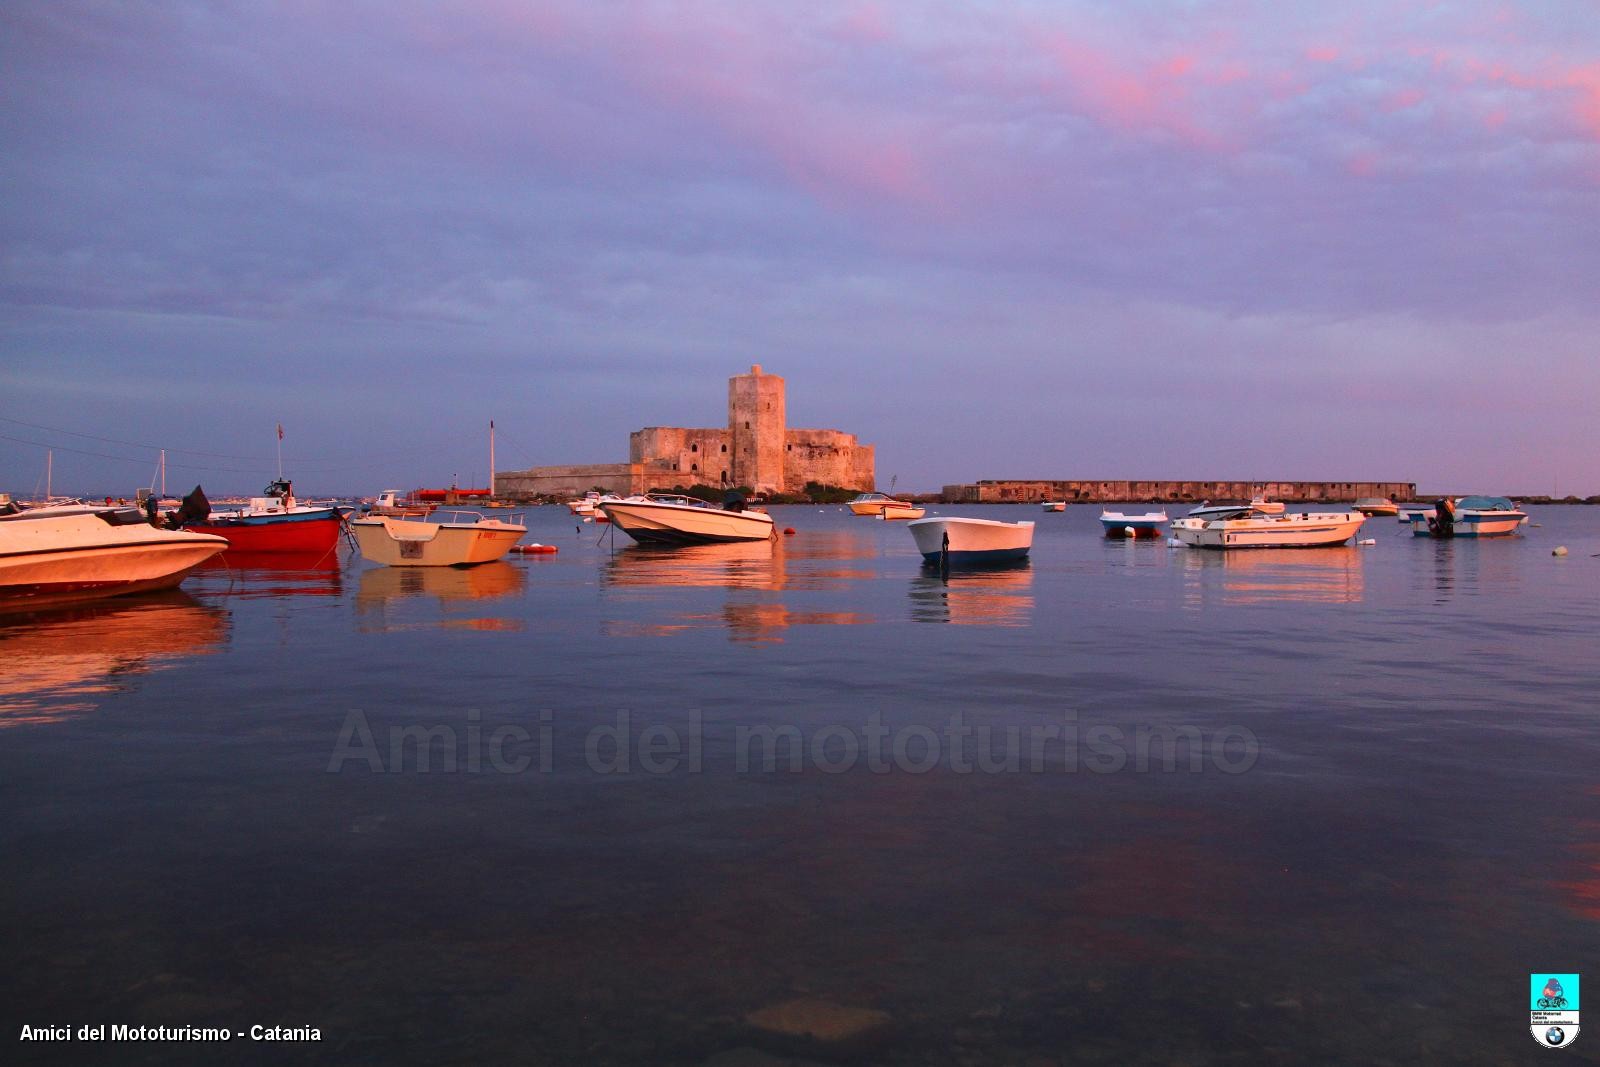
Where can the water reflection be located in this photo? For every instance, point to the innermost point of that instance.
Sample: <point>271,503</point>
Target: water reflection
<point>56,663</point>
<point>748,571</point>
<point>276,574</point>
<point>987,597</point>
<point>387,596</point>
<point>736,565</point>
<point>1274,575</point>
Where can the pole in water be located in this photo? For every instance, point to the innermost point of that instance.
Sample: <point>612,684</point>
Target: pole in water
<point>944,555</point>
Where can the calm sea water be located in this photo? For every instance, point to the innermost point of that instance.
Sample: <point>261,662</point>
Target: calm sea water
<point>1128,803</point>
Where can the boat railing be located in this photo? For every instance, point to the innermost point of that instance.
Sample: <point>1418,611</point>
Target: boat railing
<point>454,515</point>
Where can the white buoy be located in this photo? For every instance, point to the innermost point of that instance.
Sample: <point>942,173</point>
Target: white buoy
<point>1128,531</point>
<point>1174,542</point>
<point>1559,550</point>
<point>1368,541</point>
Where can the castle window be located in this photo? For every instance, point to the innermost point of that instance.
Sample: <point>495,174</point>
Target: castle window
<point>724,448</point>
<point>694,448</point>
<point>747,425</point>
<point>788,448</point>
<point>694,466</point>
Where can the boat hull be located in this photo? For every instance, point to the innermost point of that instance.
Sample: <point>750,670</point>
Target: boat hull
<point>1119,527</point>
<point>316,532</point>
<point>1315,530</point>
<point>402,543</point>
<point>45,575</point>
<point>671,524</point>
<point>972,542</point>
<point>1474,524</point>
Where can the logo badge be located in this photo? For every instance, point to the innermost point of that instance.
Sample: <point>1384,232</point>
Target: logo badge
<point>1553,1008</point>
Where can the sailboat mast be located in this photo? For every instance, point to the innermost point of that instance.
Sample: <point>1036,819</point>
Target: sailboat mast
<point>491,460</point>
<point>163,473</point>
<point>49,470</point>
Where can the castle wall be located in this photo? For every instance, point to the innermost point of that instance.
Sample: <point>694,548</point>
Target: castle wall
<point>694,455</point>
<point>571,481</point>
<point>829,457</point>
<point>1009,492</point>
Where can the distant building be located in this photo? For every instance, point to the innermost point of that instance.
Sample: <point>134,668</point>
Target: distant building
<point>1018,492</point>
<point>757,449</point>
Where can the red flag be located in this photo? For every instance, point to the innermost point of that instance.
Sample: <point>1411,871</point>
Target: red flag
<point>280,431</point>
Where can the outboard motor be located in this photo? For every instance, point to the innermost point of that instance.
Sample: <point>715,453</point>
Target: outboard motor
<point>195,508</point>
<point>1444,519</point>
<point>732,501</point>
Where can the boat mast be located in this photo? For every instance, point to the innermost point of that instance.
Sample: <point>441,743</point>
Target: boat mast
<point>49,466</point>
<point>491,459</point>
<point>280,451</point>
<point>163,472</point>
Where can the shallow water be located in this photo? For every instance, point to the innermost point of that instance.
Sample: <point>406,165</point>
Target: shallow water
<point>1127,803</point>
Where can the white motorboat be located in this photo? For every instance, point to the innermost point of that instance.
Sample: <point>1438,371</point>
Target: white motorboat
<point>66,553</point>
<point>1246,527</point>
<point>396,504</point>
<point>1470,516</point>
<point>659,518</point>
<point>880,505</point>
<point>1053,505</point>
<point>1406,513</point>
<point>1372,506</point>
<point>963,542</point>
<point>1118,525</point>
<point>463,539</point>
<point>910,511</point>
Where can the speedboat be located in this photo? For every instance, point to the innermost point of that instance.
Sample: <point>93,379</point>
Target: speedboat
<point>1470,516</point>
<point>1246,527</point>
<point>77,552</point>
<point>1376,505</point>
<point>876,504</point>
<point>1053,505</point>
<point>274,522</point>
<point>664,518</point>
<point>1118,525</point>
<point>965,542</point>
<point>463,540</point>
<point>910,511</point>
<point>1407,512</point>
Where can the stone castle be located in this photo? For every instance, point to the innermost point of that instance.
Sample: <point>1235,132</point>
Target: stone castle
<point>756,449</point>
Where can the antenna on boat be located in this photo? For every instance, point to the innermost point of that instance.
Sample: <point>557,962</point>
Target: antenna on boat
<point>280,451</point>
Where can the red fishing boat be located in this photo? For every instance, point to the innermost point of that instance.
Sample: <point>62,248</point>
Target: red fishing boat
<point>271,523</point>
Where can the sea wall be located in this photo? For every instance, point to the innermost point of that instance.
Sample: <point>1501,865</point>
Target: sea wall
<point>1017,492</point>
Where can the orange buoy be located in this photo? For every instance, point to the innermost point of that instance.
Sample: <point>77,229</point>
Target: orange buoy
<point>788,531</point>
<point>534,549</point>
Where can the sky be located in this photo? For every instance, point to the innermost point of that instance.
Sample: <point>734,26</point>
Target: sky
<point>1152,239</point>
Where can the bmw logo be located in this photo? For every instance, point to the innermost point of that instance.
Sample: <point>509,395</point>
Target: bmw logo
<point>1555,1035</point>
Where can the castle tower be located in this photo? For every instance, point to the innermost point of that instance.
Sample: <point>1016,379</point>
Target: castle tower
<point>756,425</point>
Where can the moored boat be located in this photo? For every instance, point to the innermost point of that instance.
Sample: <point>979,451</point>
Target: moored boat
<point>1407,512</point>
<point>396,504</point>
<point>1118,525</point>
<point>1374,505</point>
<point>1470,516</point>
<point>1246,527</point>
<point>961,541</point>
<point>876,504</point>
<point>456,542</point>
<point>68,553</point>
<point>273,522</point>
<point>1053,505</point>
<point>661,518</point>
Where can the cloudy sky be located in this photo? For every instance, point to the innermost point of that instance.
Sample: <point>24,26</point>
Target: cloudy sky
<point>1159,238</point>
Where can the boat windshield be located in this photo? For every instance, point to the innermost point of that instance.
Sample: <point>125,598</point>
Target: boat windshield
<point>1485,503</point>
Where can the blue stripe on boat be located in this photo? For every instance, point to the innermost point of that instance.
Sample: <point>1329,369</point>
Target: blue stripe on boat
<point>998,555</point>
